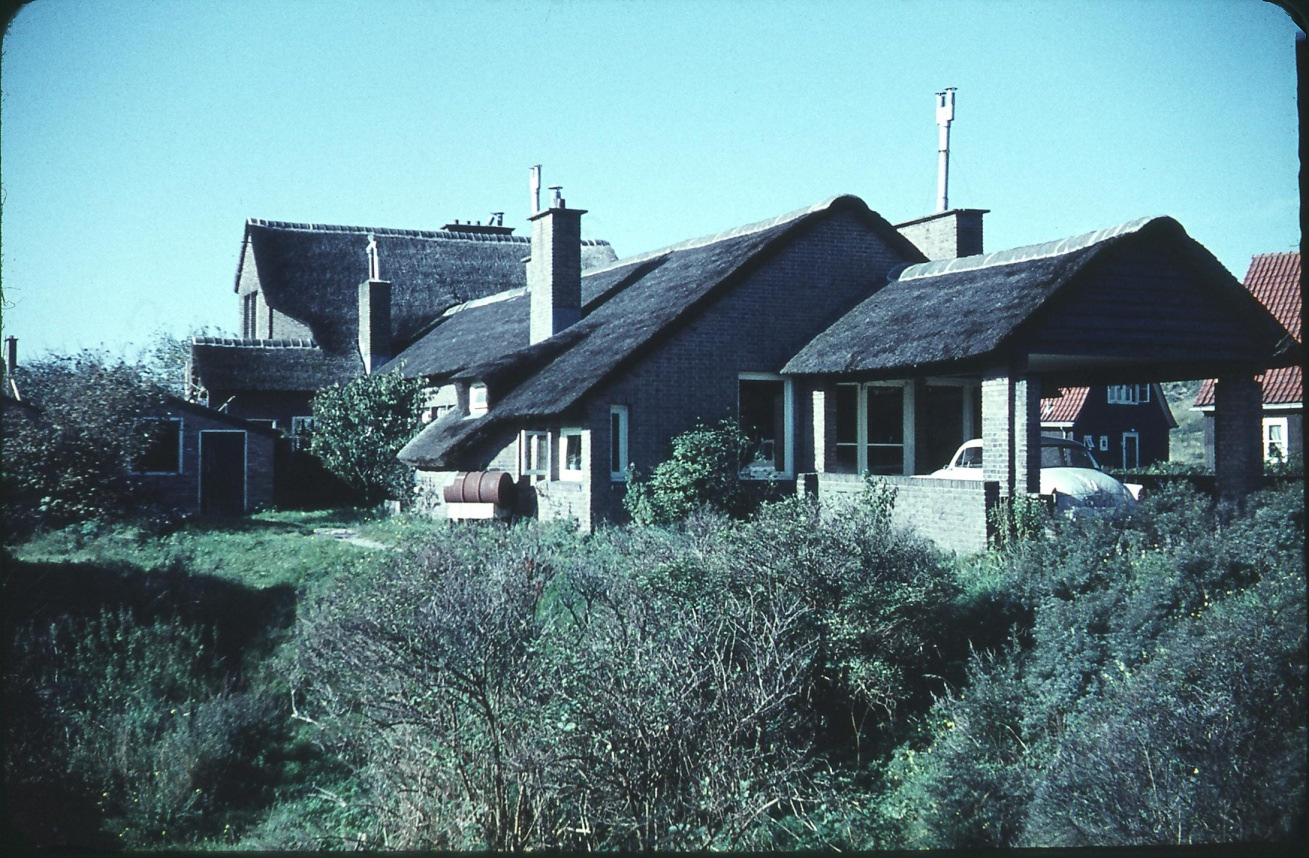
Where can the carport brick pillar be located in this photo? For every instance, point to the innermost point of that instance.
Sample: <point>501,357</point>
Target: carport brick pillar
<point>1238,441</point>
<point>1011,432</point>
<point>824,404</point>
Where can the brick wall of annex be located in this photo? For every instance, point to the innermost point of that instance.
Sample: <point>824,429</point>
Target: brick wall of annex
<point>181,492</point>
<point>950,513</point>
<point>755,327</point>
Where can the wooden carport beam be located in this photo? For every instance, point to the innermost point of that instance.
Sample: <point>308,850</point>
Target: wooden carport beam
<point>1238,440</point>
<point>1011,431</point>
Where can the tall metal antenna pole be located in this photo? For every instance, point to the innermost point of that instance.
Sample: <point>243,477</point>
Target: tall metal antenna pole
<point>944,116</point>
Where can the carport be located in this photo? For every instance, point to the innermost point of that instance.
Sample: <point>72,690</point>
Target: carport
<point>1142,302</point>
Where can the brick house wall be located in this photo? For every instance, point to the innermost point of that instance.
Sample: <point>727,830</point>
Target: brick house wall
<point>755,326</point>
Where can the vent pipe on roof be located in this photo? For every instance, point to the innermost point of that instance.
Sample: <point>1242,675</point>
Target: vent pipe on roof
<point>534,185</point>
<point>944,116</point>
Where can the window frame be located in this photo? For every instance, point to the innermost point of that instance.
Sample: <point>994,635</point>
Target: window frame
<point>541,472</point>
<point>906,445</point>
<point>1128,394</point>
<point>619,419</point>
<point>1271,423</point>
<point>181,451</point>
<point>787,471</point>
<point>477,399</point>
<point>577,474</point>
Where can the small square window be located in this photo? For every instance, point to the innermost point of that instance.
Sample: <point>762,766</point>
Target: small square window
<point>160,450</point>
<point>1104,442</point>
<point>477,403</point>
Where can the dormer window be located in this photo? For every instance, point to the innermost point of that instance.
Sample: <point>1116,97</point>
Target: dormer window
<point>476,399</point>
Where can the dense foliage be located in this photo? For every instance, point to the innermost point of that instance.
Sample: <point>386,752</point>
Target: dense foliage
<point>515,688</point>
<point>70,460</point>
<point>797,679</point>
<point>704,470</point>
<point>359,427</point>
<point>1156,696</point>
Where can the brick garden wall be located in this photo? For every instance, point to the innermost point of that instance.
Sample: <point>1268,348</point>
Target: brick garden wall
<point>950,513</point>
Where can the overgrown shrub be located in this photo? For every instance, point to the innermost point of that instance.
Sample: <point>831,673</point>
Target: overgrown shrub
<point>126,735</point>
<point>642,688</point>
<point>703,470</point>
<point>1157,696</point>
<point>360,426</point>
<point>69,462</point>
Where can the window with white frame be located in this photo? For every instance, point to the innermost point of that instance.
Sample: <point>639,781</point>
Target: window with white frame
<point>872,423</point>
<point>570,454</point>
<point>476,398</point>
<point>618,429</point>
<point>764,411</point>
<point>160,446</point>
<point>535,459</point>
<point>1275,439</point>
<point>1128,394</point>
<point>301,430</point>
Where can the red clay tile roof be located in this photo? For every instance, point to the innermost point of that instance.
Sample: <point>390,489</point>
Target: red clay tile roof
<point>1280,387</point>
<point>1273,278</point>
<point>1064,407</point>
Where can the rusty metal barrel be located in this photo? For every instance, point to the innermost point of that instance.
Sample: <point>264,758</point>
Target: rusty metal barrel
<point>493,487</point>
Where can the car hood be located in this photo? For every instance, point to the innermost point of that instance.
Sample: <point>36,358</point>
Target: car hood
<point>1090,488</point>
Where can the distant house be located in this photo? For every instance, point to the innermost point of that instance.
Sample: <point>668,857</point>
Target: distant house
<point>321,305</point>
<point>1273,278</point>
<point>1124,425</point>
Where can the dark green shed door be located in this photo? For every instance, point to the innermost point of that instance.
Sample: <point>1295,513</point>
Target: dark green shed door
<point>222,473</point>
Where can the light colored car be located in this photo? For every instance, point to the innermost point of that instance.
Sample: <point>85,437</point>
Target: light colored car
<point>1069,473</point>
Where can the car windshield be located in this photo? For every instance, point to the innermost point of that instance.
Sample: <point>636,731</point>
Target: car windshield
<point>970,457</point>
<point>1067,456</point>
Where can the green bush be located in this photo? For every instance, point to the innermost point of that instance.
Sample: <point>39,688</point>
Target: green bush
<point>703,470</point>
<point>122,734</point>
<point>359,428</point>
<point>1154,695</point>
<point>69,463</point>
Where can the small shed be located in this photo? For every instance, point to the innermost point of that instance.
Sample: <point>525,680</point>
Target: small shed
<point>199,460</point>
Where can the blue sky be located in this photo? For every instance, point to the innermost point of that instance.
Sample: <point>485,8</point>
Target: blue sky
<point>136,138</point>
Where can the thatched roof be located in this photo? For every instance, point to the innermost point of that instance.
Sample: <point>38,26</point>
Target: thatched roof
<point>950,311</point>
<point>270,365</point>
<point>627,307</point>
<point>312,272</point>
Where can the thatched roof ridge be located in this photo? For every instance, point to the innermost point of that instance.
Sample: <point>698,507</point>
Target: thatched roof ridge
<point>629,307</point>
<point>1027,253</point>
